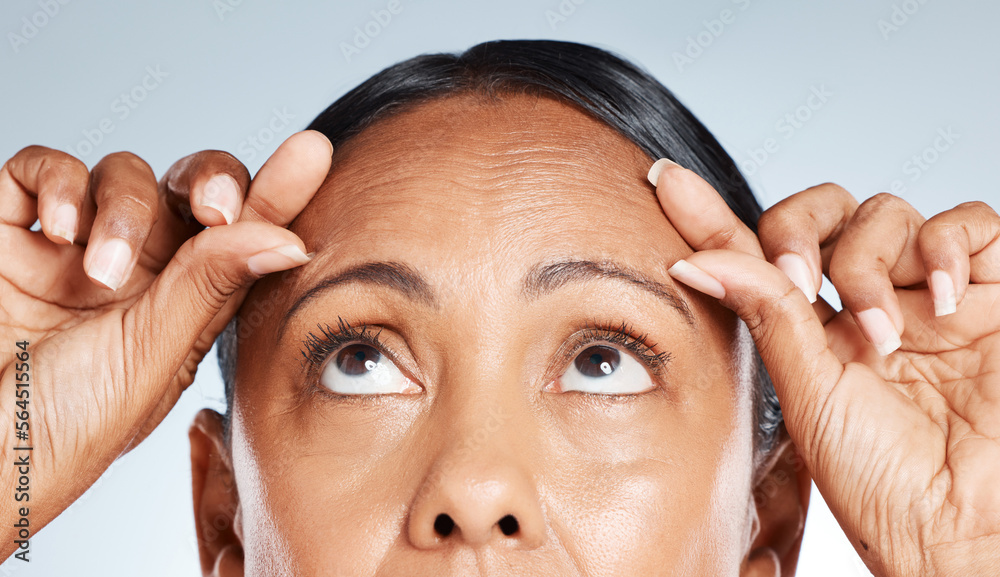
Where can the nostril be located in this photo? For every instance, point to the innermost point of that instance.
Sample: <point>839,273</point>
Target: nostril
<point>444,525</point>
<point>508,525</point>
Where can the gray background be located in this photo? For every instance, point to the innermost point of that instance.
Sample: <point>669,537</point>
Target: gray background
<point>887,79</point>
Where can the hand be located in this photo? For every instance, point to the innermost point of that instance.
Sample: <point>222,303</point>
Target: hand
<point>905,448</point>
<point>118,323</point>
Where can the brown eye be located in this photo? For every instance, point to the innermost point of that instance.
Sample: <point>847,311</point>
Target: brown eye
<point>605,370</point>
<point>357,359</point>
<point>361,369</point>
<point>597,361</point>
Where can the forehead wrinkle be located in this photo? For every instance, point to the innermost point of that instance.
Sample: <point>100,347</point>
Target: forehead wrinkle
<point>491,182</point>
<point>508,209</point>
<point>470,184</point>
<point>566,171</point>
<point>520,140</point>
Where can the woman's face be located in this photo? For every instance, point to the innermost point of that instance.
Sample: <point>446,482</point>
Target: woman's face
<point>540,398</point>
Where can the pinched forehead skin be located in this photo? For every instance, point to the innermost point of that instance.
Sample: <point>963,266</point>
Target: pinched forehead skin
<point>476,198</point>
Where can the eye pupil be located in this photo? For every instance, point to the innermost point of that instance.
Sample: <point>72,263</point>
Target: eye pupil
<point>358,359</point>
<point>598,361</point>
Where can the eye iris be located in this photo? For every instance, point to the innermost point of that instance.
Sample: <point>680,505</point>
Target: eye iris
<point>358,359</point>
<point>598,361</point>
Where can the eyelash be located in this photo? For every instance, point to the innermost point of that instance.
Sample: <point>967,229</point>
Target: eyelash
<point>596,333</point>
<point>317,348</point>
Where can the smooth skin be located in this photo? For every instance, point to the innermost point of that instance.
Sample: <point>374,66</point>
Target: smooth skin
<point>922,507</point>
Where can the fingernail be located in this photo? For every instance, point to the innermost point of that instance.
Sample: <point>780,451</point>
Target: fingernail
<point>697,279</point>
<point>275,259</point>
<point>109,263</point>
<point>657,168</point>
<point>879,330</point>
<point>943,292</point>
<point>221,193</point>
<point>64,222</point>
<point>796,269</point>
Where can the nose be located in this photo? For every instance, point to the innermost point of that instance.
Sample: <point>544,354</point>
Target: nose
<point>485,499</point>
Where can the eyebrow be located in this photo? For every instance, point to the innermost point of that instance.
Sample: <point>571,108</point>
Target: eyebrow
<point>543,279</point>
<point>540,280</point>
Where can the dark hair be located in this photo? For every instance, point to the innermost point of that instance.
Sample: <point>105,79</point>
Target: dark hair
<point>601,84</point>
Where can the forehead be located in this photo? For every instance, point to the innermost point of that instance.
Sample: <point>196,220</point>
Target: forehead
<point>471,183</point>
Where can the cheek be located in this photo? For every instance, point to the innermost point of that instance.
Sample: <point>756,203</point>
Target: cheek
<point>614,520</point>
<point>322,495</point>
<point>669,496</point>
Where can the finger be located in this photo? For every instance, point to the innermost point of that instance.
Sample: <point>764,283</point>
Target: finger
<point>289,179</point>
<point>793,232</point>
<point>206,188</point>
<point>191,291</point>
<point>789,336</point>
<point>209,185</point>
<point>959,245</point>
<point>47,185</point>
<point>876,252</point>
<point>124,189</point>
<point>211,188</point>
<point>697,211</point>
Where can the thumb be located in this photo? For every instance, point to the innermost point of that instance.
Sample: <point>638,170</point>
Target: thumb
<point>161,328</point>
<point>788,334</point>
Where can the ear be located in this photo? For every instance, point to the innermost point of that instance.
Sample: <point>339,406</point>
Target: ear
<point>780,502</point>
<point>216,503</point>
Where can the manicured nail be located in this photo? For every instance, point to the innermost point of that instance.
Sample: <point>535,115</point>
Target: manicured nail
<point>796,269</point>
<point>697,279</point>
<point>275,259</point>
<point>657,168</point>
<point>943,292</point>
<point>879,330</point>
<point>109,263</point>
<point>221,193</point>
<point>64,222</point>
